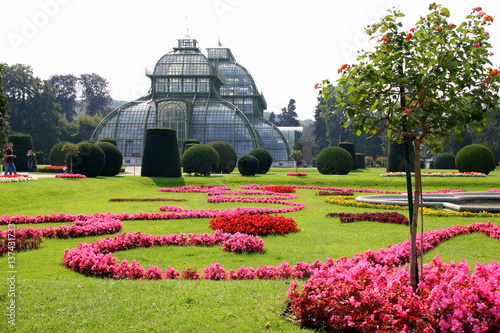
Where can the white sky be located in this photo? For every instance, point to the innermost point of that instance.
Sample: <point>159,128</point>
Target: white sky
<point>287,45</point>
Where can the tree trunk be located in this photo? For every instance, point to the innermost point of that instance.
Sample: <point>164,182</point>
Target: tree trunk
<point>413,223</point>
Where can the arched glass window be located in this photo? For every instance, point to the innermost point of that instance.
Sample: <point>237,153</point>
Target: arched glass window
<point>173,114</point>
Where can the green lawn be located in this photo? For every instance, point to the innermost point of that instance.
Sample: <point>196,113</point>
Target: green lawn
<point>51,298</point>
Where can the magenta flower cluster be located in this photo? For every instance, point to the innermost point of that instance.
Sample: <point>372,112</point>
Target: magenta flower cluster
<point>70,175</point>
<point>371,292</point>
<point>97,258</point>
<point>300,174</point>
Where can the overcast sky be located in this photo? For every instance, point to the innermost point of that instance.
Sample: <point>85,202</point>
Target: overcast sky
<point>287,45</point>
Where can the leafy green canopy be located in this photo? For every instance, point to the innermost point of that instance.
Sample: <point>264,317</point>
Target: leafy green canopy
<point>428,83</point>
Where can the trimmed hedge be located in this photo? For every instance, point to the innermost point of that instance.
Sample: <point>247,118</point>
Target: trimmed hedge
<point>110,140</point>
<point>189,143</point>
<point>114,158</point>
<point>334,161</point>
<point>248,165</point>
<point>161,154</point>
<point>90,160</point>
<point>349,146</point>
<point>396,158</point>
<point>200,159</point>
<point>264,157</point>
<point>444,161</point>
<point>227,156</point>
<point>475,158</point>
<point>22,143</point>
<point>360,161</point>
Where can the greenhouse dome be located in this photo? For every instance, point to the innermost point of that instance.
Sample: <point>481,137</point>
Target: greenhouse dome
<point>204,98</point>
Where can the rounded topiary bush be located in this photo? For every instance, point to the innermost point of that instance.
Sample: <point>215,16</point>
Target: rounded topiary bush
<point>110,140</point>
<point>248,165</point>
<point>349,146</point>
<point>189,143</point>
<point>227,156</point>
<point>200,159</point>
<point>90,160</point>
<point>264,157</point>
<point>114,158</point>
<point>56,155</point>
<point>334,161</point>
<point>475,158</point>
<point>161,154</point>
<point>444,161</point>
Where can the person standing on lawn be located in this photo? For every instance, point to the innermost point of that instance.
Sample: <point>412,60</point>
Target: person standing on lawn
<point>10,167</point>
<point>31,163</point>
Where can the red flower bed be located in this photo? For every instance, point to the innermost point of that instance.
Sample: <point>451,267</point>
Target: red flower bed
<point>387,217</point>
<point>279,188</point>
<point>254,224</point>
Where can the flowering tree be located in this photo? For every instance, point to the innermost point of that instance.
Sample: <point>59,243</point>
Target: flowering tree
<point>296,155</point>
<point>71,150</point>
<point>424,85</point>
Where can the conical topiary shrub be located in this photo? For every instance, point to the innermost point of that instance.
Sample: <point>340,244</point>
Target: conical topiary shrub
<point>396,157</point>
<point>161,154</point>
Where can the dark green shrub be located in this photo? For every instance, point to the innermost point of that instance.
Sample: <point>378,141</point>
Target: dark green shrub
<point>360,160</point>
<point>396,157</point>
<point>334,161</point>
<point>40,157</point>
<point>264,157</point>
<point>475,158</point>
<point>248,165</point>
<point>161,155</point>
<point>189,143</point>
<point>90,160</point>
<point>110,140</point>
<point>227,156</point>
<point>352,150</point>
<point>114,158</point>
<point>56,155</point>
<point>22,143</point>
<point>200,159</point>
<point>444,161</point>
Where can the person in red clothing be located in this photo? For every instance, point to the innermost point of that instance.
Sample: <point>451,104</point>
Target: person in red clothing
<point>9,167</point>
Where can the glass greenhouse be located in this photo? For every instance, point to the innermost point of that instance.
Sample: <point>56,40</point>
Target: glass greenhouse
<point>204,98</point>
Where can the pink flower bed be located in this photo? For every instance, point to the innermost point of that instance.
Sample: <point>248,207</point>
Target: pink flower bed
<point>16,240</point>
<point>90,226</point>
<point>97,257</point>
<point>70,175</point>
<point>300,174</point>
<point>370,292</point>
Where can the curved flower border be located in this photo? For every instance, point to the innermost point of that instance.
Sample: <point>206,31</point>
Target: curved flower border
<point>17,178</point>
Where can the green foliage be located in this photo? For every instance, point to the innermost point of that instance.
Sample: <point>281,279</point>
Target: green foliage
<point>334,161</point>
<point>40,157</point>
<point>349,146</point>
<point>441,69</point>
<point>161,154</point>
<point>114,158</point>
<point>200,159</point>
<point>264,157</point>
<point>3,115</point>
<point>444,161</point>
<point>227,156</point>
<point>56,155</point>
<point>22,143</point>
<point>89,161</point>
<point>475,158</point>
<point>110,140</point>
<point>248,165</point>
<point>360,160</point>
<point>396,157</point>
